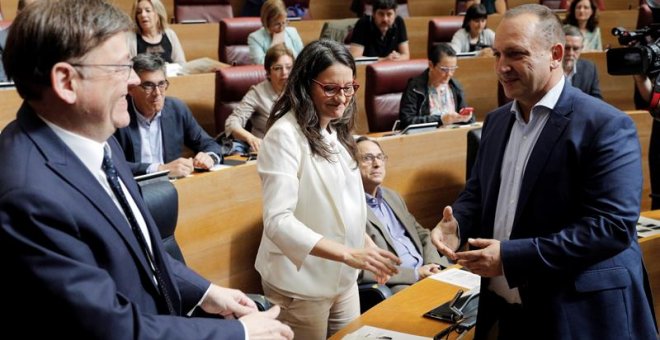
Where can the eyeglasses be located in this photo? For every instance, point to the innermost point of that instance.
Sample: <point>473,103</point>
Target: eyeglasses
<point>281,68</point>
<point>447,69</point>
<point>116,68</point>
<point>370,158</point>
<point>331,90</point>
<point>149,87</point>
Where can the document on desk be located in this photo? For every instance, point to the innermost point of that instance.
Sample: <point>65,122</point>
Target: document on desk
<point>458,277</point>
<point>370,332</point>
<point>647,227</point>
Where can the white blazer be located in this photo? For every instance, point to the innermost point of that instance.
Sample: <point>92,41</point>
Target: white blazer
<point>307,198</point>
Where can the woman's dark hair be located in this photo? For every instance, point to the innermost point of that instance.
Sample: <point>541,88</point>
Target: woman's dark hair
<point>592,22</point>
<point>475,12</point>
<point>440,51</point>
<point>315,58</point>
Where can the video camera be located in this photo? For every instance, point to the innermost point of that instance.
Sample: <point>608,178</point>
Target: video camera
<point>642,58</point>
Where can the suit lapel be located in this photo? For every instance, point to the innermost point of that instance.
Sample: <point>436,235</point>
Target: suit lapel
<point>134,131</point>
<point>375,221</point>
<point>62,161</point>
<point>554,128</point>
<point>327,175</point>
<point>399,212</point>
<point>493,153</point>
<point>168,124</point>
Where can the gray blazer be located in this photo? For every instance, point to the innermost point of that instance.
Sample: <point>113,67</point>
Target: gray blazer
<point>419,235</point>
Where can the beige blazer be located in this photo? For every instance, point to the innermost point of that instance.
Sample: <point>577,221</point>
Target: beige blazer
<point>419,235</point>
<point>307,198</point>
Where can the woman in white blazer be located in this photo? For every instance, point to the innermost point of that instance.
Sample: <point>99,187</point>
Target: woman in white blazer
<point>314,213</point>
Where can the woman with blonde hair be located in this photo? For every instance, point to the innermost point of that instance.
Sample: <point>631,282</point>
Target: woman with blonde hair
<point>152,34</point>
<point>274,31</point>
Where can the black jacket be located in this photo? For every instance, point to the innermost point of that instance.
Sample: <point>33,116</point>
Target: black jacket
<point>414,107</point>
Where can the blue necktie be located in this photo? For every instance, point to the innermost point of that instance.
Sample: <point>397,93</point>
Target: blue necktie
<point>111,173</point>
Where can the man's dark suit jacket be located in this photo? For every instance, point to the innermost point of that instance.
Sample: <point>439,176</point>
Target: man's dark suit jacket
<point>178,127</point>
<point>586,78</point>
<point>419,235</point>
<point>573,251</point>
<point>72,264</point>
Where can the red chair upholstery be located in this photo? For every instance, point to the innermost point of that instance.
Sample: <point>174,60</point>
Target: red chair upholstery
<point>233,48</point>
<point>231,84</point>
<point>552,4</point>
<point>385,83</point>
<point>207,10</point>
<point>442,29</point>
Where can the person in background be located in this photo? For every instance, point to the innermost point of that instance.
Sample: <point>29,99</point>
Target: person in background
<point>565,4</point>
<point>492,6</point>
<point>391,226</point>
<point>434,96</point>
<point>75,234</point>
<point>274,31</point>
<point>473,35</point>
<point>579,72</point>
<point>550,209</point>
<point>160,126</point>
<point>259,100</point>
<point>152,33</point>
<point>583,14</point>
<point>314,241</point>
<point>382,35</point>
<point>3,37</point>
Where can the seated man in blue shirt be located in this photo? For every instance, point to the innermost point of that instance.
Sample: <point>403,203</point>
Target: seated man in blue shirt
<point>382,34</point>
<point>161,125</point>
<point>391,226</point>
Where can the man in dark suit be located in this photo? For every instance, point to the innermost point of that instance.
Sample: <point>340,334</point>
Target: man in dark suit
<point>579,72</point>
<point>391,226</point>
<point>81,255</point>
<point>160,126</point>
<point>550,209</point>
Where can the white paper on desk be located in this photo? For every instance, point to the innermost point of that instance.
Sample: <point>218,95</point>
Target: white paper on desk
<point>458,277</point>
<point>647,227</point>
<point>369,332</point>
<point>219,167</point>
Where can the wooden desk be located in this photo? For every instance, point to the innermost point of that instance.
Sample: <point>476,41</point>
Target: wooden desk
<point>403,311</point>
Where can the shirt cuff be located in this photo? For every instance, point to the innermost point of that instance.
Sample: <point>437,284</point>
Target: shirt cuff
<point>247,336</point>
<point>199,303</point>
<point>216,159</point>
<point>153,168</point>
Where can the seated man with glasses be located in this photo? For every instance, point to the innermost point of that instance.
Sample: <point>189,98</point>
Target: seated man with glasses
<point>579,72</point>
<point>434,96</point>
<point>391,226</point>
<point>161,125</point>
